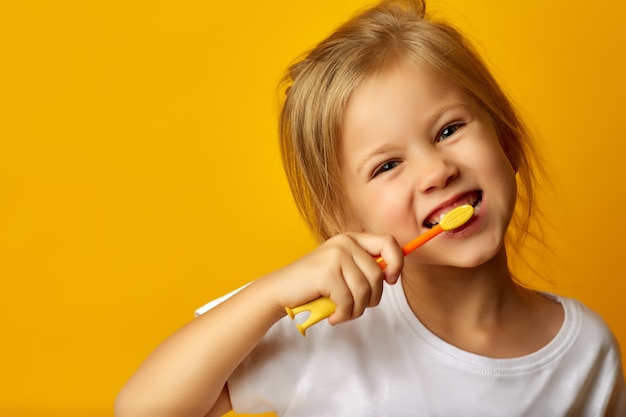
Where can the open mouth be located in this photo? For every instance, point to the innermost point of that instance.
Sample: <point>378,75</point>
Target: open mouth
<point>474,199</point>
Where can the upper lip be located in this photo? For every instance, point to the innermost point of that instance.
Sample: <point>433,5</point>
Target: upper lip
<point>449,203</point>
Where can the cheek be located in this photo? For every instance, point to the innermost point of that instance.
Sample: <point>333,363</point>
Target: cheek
<point>492,168</point>
<point>492,161</point>
<point>382,209</point>
<point>502,175</point>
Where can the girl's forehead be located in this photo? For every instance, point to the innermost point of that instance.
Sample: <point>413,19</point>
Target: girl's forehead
<point>402,88</point>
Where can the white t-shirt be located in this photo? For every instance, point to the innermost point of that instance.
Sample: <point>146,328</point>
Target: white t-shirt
<point>386,363</point>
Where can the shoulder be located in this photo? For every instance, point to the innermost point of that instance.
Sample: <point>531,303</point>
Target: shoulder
<point>595,354</point>
<point>588,332</point>
<point>590,323</point>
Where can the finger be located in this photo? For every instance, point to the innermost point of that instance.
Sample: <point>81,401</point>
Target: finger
<point>372,275</point>
<point>369,289</point>
<point>388,248</point>
<point>394,258</point>
<point>350,293</point>
<point>358,283</point>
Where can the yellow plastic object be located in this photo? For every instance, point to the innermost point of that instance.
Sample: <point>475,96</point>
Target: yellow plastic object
<point>457,217</point>
<point>323,307</point>
<point>320,308</point>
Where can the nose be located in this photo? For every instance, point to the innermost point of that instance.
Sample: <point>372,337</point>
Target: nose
<point>435,172</point>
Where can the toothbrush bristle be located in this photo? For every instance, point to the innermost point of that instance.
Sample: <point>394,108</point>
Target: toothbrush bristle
<point>457,217</point>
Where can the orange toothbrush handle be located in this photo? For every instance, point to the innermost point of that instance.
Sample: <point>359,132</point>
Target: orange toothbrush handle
<point>414,244</point>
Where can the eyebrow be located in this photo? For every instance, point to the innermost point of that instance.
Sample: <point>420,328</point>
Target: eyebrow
<point>447,109</point>
<point>378,151</point>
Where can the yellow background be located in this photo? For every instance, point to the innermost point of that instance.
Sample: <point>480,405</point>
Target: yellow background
<point>140,178</point>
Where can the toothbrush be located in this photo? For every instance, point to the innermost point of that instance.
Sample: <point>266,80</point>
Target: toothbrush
<point>323,307</point>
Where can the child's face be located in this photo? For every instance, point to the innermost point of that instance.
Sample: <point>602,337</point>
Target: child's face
<point>413,146</point>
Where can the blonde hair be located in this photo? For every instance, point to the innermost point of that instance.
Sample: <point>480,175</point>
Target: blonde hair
<point>318,86</point>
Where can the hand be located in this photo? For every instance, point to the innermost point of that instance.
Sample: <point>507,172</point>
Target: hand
<point>344,269</point>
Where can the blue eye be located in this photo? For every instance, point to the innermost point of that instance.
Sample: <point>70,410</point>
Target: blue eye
<point>387,166</point>
<point>448,131</point>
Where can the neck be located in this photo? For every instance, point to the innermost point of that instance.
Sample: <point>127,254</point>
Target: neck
<point>481,310</point>
<point>446,297</point>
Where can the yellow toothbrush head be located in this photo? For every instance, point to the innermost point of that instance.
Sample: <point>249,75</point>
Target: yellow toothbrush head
<point>457,217</point>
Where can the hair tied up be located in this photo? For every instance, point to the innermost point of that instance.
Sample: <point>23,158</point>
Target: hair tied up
<point>416,8</point>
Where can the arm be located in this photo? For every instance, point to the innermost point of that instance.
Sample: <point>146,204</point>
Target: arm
<point>186,375</point>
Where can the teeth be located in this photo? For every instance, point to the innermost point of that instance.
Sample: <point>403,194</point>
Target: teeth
<point>474,200</point>
<point>431,225</point>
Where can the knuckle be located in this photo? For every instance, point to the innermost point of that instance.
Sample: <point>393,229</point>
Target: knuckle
<point>375,299</point>
<point>341,239</point>
<point>336,251</point>
<point>362,292</point>
<point>344,312</point>
<point>390,240</point>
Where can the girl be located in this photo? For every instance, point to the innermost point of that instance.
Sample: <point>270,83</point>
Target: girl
<point>387,125</point>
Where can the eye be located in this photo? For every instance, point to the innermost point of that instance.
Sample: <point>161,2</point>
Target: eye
<point>448,131</point>
<point>387,166</point>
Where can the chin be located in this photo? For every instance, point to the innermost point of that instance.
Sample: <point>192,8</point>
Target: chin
<point>477,258</point>
<point>473,256</point>
<point>471,262</point>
